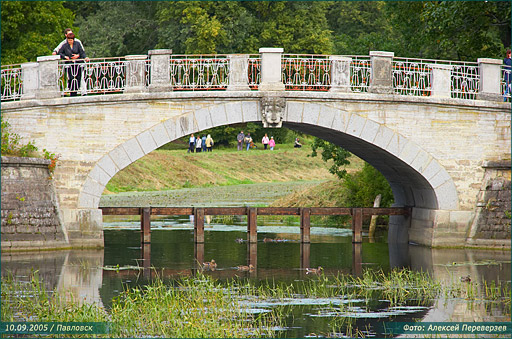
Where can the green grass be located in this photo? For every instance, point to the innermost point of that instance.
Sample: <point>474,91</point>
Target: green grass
<point>174,169</point>
<point>201,306</point>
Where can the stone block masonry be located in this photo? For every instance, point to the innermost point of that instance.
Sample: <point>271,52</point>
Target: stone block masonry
<point>491,226</point>
<point>29,209</point>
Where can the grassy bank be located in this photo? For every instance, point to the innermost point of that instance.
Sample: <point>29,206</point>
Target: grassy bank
<point>258,194</point>
<point>173,169</point>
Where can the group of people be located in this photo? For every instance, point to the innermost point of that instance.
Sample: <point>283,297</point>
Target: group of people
<point>242,139</point>
<point>200,144</point>
<point>71,50</point>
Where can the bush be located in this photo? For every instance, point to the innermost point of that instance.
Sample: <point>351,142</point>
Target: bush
<point>363,186</point>
<point>11,143</point>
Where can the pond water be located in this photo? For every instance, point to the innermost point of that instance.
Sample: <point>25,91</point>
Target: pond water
<point>100,275</point>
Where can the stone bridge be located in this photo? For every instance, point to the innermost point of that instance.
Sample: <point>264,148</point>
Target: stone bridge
<point>431,128</point>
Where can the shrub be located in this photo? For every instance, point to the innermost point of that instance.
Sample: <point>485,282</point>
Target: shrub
<point>11,143</point>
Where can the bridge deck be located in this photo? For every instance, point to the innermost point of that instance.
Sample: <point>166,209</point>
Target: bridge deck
<point>305,213</point>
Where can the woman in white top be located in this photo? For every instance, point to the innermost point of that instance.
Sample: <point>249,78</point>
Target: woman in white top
<point>198,144</point>
<point>265,141</point>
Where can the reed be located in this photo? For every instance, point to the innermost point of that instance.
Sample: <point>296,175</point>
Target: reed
<point>202,306</point>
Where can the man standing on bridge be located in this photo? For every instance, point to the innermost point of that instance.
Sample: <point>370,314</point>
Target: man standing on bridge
<point>240,138</point>
<point>506,76</point>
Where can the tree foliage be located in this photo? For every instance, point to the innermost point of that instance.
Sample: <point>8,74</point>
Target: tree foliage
<point>362,187</point>
<point>118,28</point>
<point>458,30</point>
<point>330,151</point>
<point>32,28</point>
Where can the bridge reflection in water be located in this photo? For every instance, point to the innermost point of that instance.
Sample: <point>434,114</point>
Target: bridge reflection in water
<point>83,274</point>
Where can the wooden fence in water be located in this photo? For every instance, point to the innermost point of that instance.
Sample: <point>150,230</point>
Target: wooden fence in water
<point>305,213</point>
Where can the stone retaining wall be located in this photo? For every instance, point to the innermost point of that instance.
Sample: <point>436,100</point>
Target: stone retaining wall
<point>29,208</point>
<point>491,226</point>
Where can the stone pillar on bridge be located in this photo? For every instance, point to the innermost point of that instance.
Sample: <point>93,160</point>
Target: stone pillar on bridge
<point>48,77</point>
<point>381,81</point>
<point>441,81</point>
<point>160,70</point>
<point>271,70</point>
<point>238,68</point>
<point>340,73</point>
<point>490,79</point>
<point>135,74</point>
<point>30,78</point>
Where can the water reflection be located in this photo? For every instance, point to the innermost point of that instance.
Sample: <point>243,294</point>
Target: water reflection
<point>99,275</point>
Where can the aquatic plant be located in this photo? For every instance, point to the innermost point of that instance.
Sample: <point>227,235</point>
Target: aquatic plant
<point>202,306</point>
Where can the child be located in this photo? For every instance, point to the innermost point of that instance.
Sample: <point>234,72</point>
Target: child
<point>272,143</point>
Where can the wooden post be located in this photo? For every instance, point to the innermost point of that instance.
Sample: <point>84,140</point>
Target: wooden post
<point>146,260</point>
<point>357,259</point>
<point>373,222</point>
<point>199,225</point>
<point>145,225</point>
<point>252,215</point>
<point>305,217</point>
<point>305,250</point>
<point>199,253</point>
<point>357,224</point>
<point>253,254</point>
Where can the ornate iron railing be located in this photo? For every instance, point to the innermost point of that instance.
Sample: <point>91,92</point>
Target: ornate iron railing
<point>199,72</point>
<point>299,72</point>
<point>465,80</point>
<point>254,72</point>
<point>506,82</point>
<point>98,76</point>
<point>12,82</point>
<point>360,73</point>
<point>306,72</point>
<point>412,77</point>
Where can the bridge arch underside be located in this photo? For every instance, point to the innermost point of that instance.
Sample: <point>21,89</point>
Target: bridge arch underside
<point>410,188</point>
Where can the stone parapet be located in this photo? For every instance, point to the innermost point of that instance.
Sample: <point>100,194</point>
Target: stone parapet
<point>493,207</point>
<point>48,76</point>
<point>160,70</point>
<point>30,213</point>
<point>271,69</point>
<point>381,80</point>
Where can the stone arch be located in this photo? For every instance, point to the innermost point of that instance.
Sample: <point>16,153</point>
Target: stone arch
<point>417,179</point>
<point>174,128</point>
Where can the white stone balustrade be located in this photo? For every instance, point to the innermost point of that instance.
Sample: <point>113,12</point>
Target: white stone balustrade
<point>340,74</point>
<point>441,81</point>
<point>271,70</point>
<point>490,74</point>
<point>48,77</point>
<point>160,80</point>
<point>30,76</point>
<point>151,73</point>
<point>238,77</point>
<point>135,73</point>
<point>381,81</point>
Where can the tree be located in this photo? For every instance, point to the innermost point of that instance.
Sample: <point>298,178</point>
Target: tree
<point>32,28</point>
<point>359,27</point>
<point>119,28</point>
<point>330,151</point>
<point>454,30</point>
<point>362,187</point>
<point>467,30</point>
